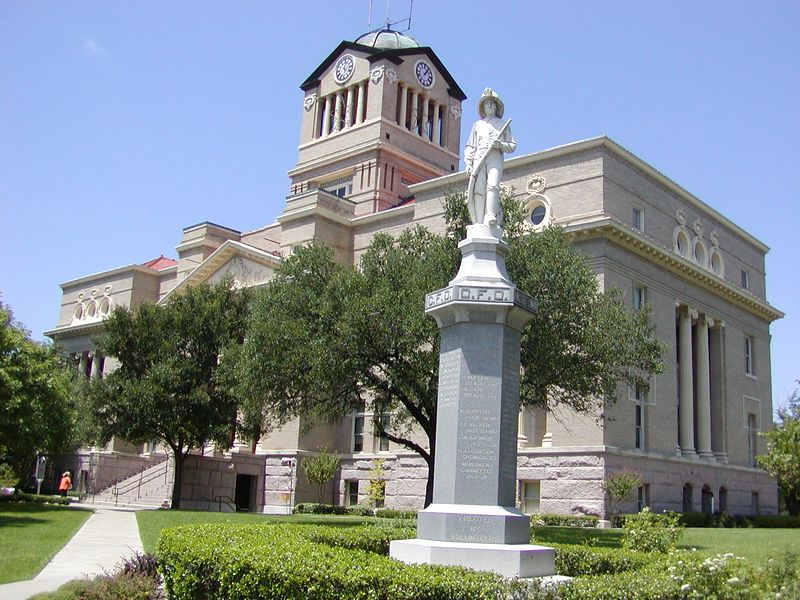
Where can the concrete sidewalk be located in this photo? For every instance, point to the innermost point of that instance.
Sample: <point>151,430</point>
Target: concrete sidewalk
<point>107,536</point>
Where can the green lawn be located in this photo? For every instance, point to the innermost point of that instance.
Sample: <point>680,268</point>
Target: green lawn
<point>151,522</point>
<point>757,545</point>
<point>31,534</point>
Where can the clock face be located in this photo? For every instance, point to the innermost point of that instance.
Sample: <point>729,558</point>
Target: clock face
<point>424,74</point>
<point>344,68</point>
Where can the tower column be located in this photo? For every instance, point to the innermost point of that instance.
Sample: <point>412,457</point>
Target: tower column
<point>326,116</point>
<point>414,125</point>
<point>348,111</point>
<point>403,104</point>
<point>337,115</point>
<point>437,137</point>
<point>686,377</point>
<point>424,122</point>
<point>360,104</point>
<point>703,389</point>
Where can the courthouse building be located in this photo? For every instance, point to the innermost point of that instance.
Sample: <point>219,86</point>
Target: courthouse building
<point>380,122</point>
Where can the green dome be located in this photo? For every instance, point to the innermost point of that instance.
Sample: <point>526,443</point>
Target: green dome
<point>386,38</point>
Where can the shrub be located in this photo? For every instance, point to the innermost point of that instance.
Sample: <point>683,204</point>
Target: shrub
<point>575,561</point>
<point>393,513</point>
<point>320,469</point>
<point>280,561</point>
<point>619,487</point>
<point>120,586</point>
<point>142,564</point>
<point>35,499</point>
<point>694,519</point>
<point>565,520</point>
<point>775,521</point>
<point>651,532</point>
<point>310,508</point>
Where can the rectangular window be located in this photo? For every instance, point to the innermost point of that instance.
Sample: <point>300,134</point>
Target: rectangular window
<point>530,497</point>
<point>642,496</point>
<point>639,296</point>
<point>352,493</point>
<point>358,434</point>
<point>381,441</point>
<point>754,505</point>
<point>745,279</point>
<point>752,433</point>
<point>638,218</point>
<point>749,357</point>
<point>639,427</point>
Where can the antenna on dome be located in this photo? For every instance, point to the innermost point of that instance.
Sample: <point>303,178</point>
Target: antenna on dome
<point>389,24</point>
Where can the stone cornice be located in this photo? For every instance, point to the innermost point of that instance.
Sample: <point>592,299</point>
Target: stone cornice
<point>74,330</point>
<point>633,241</point>
<point>218,258</point>
<point>104,275</point>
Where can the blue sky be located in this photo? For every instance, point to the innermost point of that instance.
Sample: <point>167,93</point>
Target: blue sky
<point>123,122</point>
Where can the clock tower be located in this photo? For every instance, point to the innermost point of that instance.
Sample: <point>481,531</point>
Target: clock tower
<point>378,115</point>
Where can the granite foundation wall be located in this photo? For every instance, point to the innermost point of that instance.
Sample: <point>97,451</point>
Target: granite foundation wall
<point>209,482</point>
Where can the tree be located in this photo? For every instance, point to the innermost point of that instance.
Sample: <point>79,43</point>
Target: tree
<point>319,470</point>
<point>782,460</point>
<point>37,413</point>
<point>326,338</point>
<point>165,387</point>
<point>376,488</point>
<point>619,488</point>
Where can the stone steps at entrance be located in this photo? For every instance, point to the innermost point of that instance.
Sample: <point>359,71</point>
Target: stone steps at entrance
<point>148,489</point>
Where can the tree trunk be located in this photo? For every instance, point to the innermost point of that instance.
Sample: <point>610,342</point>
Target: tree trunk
<point>429,485</point>
<point>178,479</point>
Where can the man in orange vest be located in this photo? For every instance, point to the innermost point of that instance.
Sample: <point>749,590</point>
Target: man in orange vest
<point>65,485</point>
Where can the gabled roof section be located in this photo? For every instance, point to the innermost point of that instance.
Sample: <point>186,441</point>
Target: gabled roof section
<point>220,257</point>
<point>376,54</point>
<point>160,263</point>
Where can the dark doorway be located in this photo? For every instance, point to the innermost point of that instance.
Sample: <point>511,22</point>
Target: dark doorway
<point>244,484</point>
<point>707,500</point>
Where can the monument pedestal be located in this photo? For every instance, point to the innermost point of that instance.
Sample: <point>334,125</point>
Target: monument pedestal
<point>473,520</point>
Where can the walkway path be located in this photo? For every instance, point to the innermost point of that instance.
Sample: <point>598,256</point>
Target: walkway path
<point>107,536</point>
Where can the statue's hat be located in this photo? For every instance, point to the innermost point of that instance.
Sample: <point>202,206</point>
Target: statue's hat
<point>490,94</point>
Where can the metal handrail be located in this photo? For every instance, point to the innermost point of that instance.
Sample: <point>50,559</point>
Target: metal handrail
<point>162,470</point>
<point>131,473</point>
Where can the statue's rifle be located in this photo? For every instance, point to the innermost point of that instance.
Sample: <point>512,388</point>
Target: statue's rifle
<point>477,167</point>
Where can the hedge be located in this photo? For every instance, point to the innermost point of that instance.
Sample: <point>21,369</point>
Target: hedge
<point>35,498</point>
<point>574,560</point>
<point>393,513</point>
<point>699,519</point>
<point>238,562</point>
<point>565,520</point>
<point>311,508</point>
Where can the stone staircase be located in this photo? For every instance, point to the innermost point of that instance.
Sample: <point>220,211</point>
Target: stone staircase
<point>145,489</point>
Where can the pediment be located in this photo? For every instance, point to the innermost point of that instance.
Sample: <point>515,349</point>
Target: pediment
<point>244,265</point>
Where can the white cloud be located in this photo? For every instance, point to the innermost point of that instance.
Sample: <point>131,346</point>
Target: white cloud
<point>93,47</point>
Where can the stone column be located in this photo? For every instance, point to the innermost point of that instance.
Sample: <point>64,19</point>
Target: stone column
<point>424,122</point>
<point>337,114</point>
<point>95,366</point>
<point>414,125</point>
<point>437,137</point>
<point>403,104</point>
<point>82,362</point>
<point>473,520</point>
<point>326,116</point>
<point>522,429</point>
<point>360,104</point>
<point>348,111</point>
<point>703,389</point>
<point>686,380</point>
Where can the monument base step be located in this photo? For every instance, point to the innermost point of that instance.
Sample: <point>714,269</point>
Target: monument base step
<point>508,560</point>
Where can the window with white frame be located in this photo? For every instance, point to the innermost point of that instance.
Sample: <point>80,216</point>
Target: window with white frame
<point>381,441</point>
<point>351,493</point>
<point>749,355</point>
<point>639,427</point>
<point>639,396</point>
<point>637,219</point>
<point>529,496</point>
<point>341,187</point>
<point>752,438</point>
<point>358,433</point>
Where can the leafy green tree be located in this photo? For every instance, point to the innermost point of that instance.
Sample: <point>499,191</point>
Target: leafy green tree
<point>619,488</point>
<point>165,387</point>
<point>319,470</point>
<point>376,487</point>
<point>37,413</point>
<point>326,338</point>
<point>782,459</point>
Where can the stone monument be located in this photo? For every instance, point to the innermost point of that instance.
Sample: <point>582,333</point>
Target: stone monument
<point>473,520</point>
